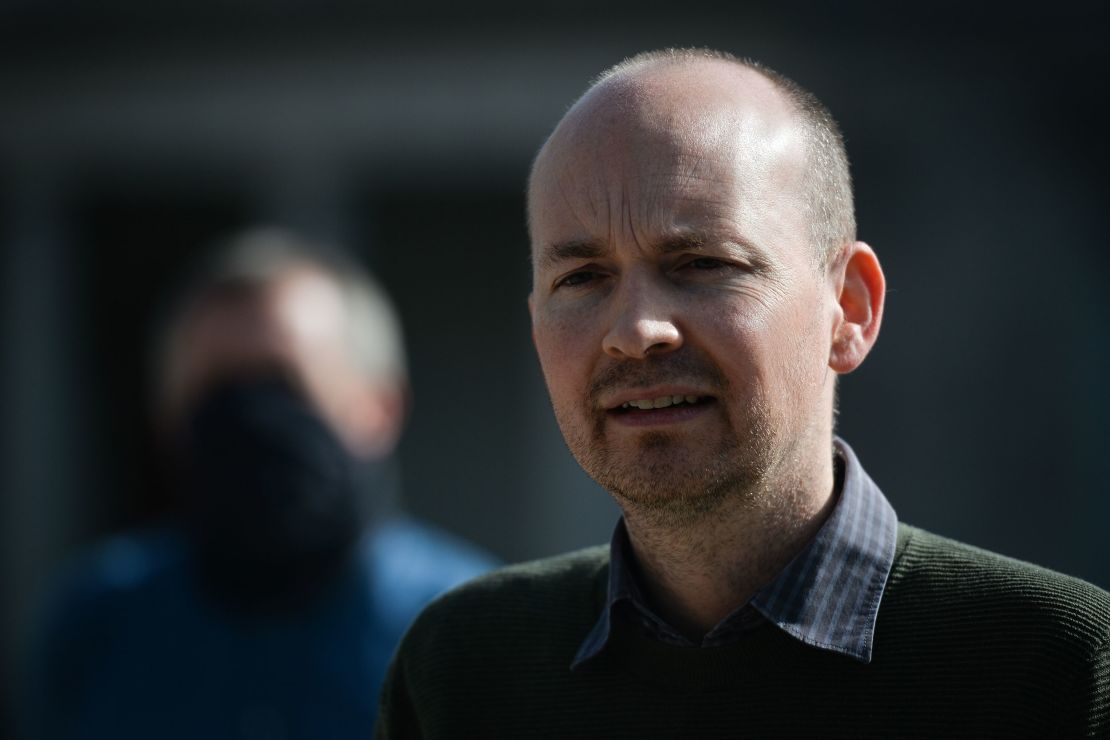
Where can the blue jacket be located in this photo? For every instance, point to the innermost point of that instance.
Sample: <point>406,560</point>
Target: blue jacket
<point>131,649</point>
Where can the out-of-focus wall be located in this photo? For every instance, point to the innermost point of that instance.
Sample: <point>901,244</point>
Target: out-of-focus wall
<point>129,137</point>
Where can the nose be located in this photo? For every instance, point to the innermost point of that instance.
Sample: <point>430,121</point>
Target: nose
<point>643,323</point>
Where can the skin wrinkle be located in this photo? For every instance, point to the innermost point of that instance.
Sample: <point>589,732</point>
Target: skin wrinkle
<point>715,506</point>
<point>627,223</point>
<point>564,192</point>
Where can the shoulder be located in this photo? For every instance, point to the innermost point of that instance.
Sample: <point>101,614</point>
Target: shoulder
<point>409,563</point>
<point>549,578</point>
<point>117,568</point>
<point>956,577</point>
<point>930,557</point>
<point>497,633</point>
<point>555,599</point>
<point>106,594</point>
<point>1000,629</point>
<point>425,551</point>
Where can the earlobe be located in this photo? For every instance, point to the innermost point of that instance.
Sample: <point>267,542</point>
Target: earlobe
<point>375,419</point>
<point>860,291</point>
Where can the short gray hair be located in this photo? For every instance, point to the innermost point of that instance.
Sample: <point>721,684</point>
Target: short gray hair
<point>257,257</point>
<point>828,180</point>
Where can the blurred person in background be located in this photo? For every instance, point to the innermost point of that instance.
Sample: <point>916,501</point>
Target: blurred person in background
<point>273,606</point>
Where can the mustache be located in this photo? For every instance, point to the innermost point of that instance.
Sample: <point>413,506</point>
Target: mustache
<point>671,368</point>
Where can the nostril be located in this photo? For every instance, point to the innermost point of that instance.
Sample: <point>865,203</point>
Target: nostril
<point>660,348</point>
<point>641,338</point>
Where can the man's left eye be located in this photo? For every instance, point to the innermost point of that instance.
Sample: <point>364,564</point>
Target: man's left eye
<point>705,263</point>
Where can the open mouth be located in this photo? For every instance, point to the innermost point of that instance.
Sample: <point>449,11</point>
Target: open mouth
<point>662,402</point>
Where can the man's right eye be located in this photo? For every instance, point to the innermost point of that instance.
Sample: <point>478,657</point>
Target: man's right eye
<point>576,279</point>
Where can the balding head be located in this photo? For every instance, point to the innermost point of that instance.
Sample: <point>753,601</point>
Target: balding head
<point>707,98</point>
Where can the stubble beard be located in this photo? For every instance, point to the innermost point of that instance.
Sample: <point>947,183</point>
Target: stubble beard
<point>662,478</point>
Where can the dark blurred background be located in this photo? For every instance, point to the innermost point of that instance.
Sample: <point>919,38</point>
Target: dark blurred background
<point>131,135</point>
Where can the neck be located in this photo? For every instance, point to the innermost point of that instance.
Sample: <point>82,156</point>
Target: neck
<point>697,572</point>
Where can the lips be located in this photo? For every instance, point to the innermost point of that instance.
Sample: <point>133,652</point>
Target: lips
<point>659,405</point>
<point>661,402</point>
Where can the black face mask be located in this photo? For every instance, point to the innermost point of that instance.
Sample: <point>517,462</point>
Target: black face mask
<point>273,497</point>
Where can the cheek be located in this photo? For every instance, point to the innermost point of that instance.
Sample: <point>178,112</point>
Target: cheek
<point>801,349</point>
<point>746,333</point>
<point>774,348</point>
<point>560,352</point>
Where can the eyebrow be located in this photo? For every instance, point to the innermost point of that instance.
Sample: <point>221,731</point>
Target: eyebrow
<point>686,242</point>
<point>696,241</point>
<point>590,249</point>
<point>575,249</point>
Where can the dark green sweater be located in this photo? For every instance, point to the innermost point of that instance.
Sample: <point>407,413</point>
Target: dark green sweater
<point>967,644</point>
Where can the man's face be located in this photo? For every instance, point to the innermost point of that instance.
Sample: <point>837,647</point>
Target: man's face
<point>681,322</point>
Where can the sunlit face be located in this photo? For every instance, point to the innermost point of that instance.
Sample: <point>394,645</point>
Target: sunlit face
<point>681,322</point>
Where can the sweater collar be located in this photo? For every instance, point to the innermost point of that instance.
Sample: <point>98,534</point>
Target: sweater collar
<point>827,597</point>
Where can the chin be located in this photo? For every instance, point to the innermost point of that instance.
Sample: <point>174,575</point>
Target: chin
<point>665,480</point>
<point>681,475</point>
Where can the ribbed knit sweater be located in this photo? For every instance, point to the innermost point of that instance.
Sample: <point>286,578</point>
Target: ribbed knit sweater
<point>967,644</point>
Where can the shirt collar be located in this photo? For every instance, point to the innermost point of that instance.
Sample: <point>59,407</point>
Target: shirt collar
<point>826,597</point>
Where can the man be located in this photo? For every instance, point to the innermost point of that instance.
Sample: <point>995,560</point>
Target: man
<point>697,289</point>
<point>271,611</point>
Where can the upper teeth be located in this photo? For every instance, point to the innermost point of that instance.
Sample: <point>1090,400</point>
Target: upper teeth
<point>657,403</point>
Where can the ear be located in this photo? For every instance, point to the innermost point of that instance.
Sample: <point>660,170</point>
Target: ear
<point>860,289</point>
<point>375,417</point>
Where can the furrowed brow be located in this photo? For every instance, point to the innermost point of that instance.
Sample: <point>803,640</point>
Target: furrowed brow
<point>698,242</point>
<point>572,250</point>
<point>682,243</point>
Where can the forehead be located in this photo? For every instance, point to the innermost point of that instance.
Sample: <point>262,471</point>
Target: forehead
<point>296,300</point>
<point>285,321</point>
<point>683,148</point>
<point>308,304</point>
